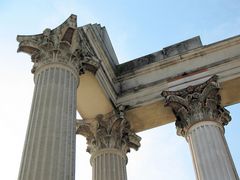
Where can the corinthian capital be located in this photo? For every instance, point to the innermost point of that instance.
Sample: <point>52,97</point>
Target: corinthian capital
<point>108,131</point>
<point>63,45</point>
<point>196,103</point>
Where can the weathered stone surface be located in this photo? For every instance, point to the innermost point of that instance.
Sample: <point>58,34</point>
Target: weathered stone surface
<point>109,138</point>
<point>211,157</point>
<point>197,103</point>
<point>65,45</point>
<point>62,54</point>
<point>109,131</point>
<point>140,81</point>
<point>176,49</point>
<point>200,118</point>
<point>49,150</point>
<point>53,46</point>
<point>109,164</point>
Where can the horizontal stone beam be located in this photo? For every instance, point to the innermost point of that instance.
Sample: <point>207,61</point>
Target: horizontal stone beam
<point>138,84</point>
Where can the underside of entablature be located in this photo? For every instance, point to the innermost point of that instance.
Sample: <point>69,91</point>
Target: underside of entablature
<point>156,114</point>
<point>139,88</point>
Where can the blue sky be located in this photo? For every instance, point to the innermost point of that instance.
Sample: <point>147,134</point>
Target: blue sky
<point>136,28</point>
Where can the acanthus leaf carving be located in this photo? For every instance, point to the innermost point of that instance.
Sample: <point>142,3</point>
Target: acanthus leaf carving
<point>196,103</point>
<point>65,44</point>
<point>109,131</point>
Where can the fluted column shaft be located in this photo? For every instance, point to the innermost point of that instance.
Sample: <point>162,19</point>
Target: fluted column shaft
<point>109,164</point>
<point>211,157</point>
<point>109,138</point>
<point>200,118</point>
<point>49,150</point>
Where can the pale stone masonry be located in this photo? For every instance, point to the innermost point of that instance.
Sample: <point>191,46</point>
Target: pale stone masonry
<point>76,68</point>
<point>201,120</point>
<point>109,138</point>
<point>49,151</point>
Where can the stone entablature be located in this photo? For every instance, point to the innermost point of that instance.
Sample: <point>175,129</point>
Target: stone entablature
<point>115,103</point>
<point>139,89</point>
<point>167,52</point>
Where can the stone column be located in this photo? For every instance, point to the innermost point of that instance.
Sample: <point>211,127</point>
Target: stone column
<point>109,138</point>
<point>201,120</point>
<point>49,150</point>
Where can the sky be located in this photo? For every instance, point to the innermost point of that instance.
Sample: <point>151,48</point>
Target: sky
<point>136,28</point>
